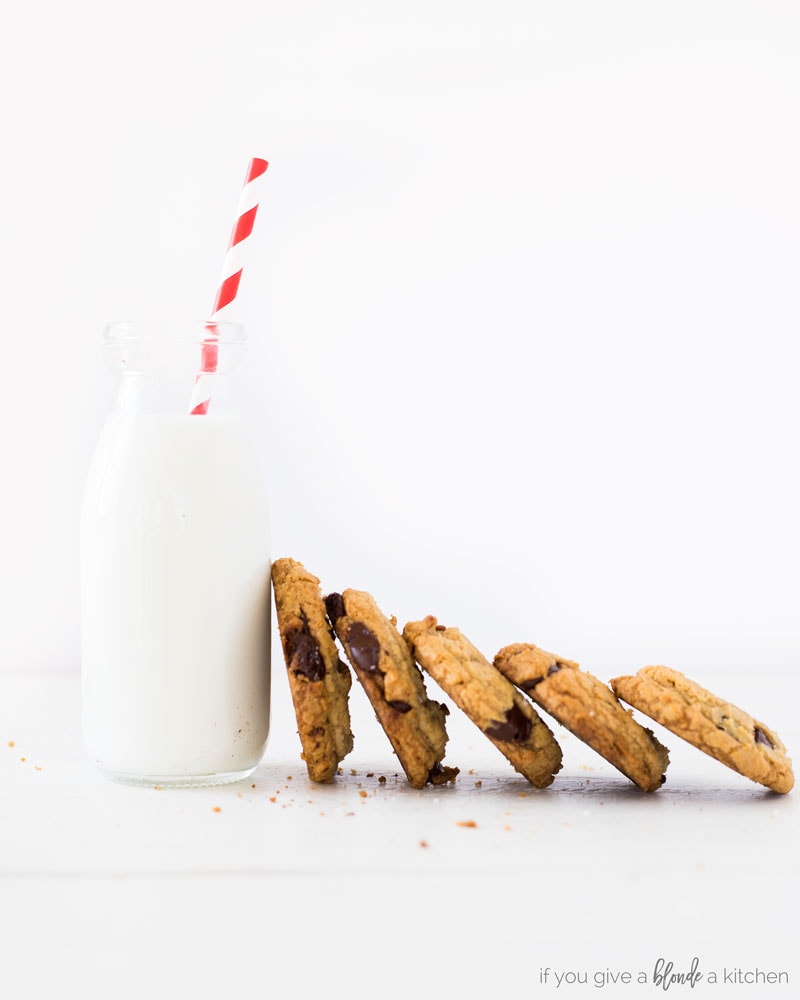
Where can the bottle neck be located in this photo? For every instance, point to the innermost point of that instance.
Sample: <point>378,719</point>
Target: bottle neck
<point>140,393</point>
<point>158,363</point>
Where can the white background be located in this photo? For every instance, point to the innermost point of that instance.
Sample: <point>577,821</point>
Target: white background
<point>522,303</point>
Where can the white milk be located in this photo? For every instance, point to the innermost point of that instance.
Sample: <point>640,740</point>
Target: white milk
<point>175,601</point>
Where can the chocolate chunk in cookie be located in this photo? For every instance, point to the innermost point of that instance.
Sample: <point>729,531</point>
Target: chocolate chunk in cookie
<point>709,723</point>
<point>393,683</point>
<point>589,709</point>
<point>318,680</point>
<point>490,701</point>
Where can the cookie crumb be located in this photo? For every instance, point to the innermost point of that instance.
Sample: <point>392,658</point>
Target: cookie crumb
<point>11,743</point>
<point>467,822</point>
<point>23,759</point>
<point>158,788</point>
<point>37,768</point>
<point>252,786</point>
<point>363,793</point>
<point>370,774</point>
<point>423,843</point>
<point>272,798</point>
<point>216,809</point>
<point>382,780</point>
<point>479,784</point>
<point>353,770</point>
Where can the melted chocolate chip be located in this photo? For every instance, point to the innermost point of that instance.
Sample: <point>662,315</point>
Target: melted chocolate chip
<point>304,656</point>
<point>334,605</point>
<point>530,685</point>
<point>516,728</point>
<point>400,706</point>
<point>761,737</point>
<point>363,646</point>
<point>444,708</point>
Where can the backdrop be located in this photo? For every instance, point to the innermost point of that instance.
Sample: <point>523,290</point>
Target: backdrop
<point>521,298</point>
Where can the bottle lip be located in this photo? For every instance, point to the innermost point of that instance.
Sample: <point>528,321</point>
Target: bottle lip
<point>173,331</point>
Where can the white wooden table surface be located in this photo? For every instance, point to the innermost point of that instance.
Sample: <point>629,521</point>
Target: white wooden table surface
<point>276,887</point>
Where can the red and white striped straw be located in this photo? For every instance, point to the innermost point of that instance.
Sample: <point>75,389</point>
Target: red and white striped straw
<point>229,282</point>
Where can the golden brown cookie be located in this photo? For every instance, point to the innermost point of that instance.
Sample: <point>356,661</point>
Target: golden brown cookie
<point>318,679</point>
<point>414,724</point>
<point>496,708</point>
<point>709,723</point>
<point>589,709</point>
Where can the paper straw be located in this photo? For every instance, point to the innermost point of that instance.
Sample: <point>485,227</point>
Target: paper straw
<point>229,282</point>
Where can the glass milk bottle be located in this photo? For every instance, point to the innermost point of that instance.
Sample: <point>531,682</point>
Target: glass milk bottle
<point>175,569</point>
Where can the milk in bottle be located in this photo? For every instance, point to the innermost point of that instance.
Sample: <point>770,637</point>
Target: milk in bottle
<point>175,563</point>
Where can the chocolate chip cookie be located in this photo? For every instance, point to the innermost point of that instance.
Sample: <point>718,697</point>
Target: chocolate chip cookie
<point>414,724</point>
<point>589,709</point>
<point>709,723</point>
<point>506,718</point>
<point>318,679</point>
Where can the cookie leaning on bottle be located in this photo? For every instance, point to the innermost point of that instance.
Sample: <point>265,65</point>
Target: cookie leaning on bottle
<point>414,724</point>
<point>501,713</point>
<point>589,709</point>
<point>318,680</point>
